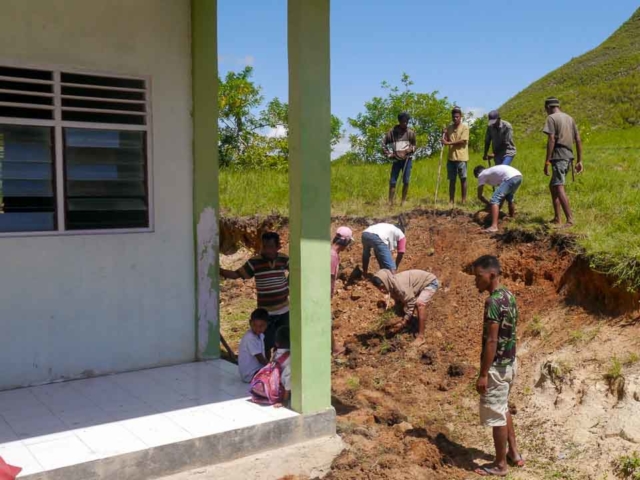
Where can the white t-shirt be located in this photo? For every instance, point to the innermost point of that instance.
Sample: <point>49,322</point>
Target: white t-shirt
<point>250,346</point>
<point>494,176</point>
<point>285,376</point>
<point>389,234</point>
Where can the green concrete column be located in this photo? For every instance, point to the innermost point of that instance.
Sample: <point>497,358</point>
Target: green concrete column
<point>205,175</point>
<point>310,203</point>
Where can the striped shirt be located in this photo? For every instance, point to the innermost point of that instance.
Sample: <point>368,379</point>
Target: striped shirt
<point>272,282</point>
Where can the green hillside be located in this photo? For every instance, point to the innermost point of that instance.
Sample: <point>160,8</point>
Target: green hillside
<point>600,89</point>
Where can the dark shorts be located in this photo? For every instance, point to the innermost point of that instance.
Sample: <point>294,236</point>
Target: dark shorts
<point>559,171</point>
<point>403,166</point>
<point>380,249</point>
<point>456,169</point>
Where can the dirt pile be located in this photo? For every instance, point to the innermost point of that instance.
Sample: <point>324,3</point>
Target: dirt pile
<point>411,413</point>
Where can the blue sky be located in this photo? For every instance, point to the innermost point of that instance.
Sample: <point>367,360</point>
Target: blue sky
<point>478,54</point>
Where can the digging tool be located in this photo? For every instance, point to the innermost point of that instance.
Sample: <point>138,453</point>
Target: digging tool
<point>435,199</point>
<point>232,355</point>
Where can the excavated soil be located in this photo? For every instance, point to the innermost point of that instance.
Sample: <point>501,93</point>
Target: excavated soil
<point>411,413</point>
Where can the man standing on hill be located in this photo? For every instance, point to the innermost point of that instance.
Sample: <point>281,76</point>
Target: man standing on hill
<point>500,134</point>
<point>399,144</point>
<point>456,136</point>
<point>562,132</point>
<point>498,364</point>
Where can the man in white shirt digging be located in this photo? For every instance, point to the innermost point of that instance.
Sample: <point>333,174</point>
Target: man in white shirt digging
<point>508,180</point>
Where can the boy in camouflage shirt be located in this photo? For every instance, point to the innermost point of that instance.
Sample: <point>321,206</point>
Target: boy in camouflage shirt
<point>498,364</point>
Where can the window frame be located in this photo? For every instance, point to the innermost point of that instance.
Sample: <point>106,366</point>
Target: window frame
<point>58,125</point>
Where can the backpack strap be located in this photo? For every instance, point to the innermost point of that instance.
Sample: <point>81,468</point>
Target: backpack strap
<point>283,358</point>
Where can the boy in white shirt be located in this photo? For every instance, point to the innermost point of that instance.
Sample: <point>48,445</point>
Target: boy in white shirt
<point>251,355</point>
<point>508,180</point>
<point>384,239</point>
<point>281,349</point>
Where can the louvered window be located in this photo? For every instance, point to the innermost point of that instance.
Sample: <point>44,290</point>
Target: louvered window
<point>73,151</point>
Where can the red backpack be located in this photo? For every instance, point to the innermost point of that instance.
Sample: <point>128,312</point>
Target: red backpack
<point>266,387</point>
<point>8,472</point>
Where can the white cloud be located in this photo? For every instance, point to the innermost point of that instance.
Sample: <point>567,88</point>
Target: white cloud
<point>277,132</point>
<point>341,148</point>
<point>477,112</point>
<point>246,61</point>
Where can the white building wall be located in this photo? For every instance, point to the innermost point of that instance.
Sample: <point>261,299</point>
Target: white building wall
<point>75,305</point>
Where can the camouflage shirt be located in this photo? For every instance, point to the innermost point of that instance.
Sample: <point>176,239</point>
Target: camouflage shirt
<point>501,308</point>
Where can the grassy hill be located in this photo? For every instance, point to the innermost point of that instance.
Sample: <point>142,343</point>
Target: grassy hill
<point>600,89</point>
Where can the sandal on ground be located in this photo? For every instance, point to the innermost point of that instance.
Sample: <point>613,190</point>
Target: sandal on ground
<point>489,472</point>
<point>516,462</point>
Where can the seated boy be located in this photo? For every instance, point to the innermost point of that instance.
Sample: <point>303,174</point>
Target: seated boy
<point>251,355</point>
<point>508,180</point>
<point>282,348</point>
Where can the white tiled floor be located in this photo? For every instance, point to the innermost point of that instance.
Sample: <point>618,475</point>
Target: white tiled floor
<point>62,424</point>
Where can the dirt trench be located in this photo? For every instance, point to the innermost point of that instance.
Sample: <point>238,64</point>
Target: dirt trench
<point>410,413</point>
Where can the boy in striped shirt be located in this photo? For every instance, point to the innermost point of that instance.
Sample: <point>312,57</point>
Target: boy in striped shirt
<point>270,269</point>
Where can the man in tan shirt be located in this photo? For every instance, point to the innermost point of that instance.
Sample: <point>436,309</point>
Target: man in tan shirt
<point>456,136</point>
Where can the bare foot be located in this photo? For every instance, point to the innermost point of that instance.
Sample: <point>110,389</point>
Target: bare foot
<point>419,341</point>
<point>338,351</point>
<point>489,471</point>
<point>515,460</point>
<point>555,221</point>
<point>566,225</point>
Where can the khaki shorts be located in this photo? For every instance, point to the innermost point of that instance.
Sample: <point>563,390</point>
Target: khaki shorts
<point>494,404</point>
<point>427,294</point>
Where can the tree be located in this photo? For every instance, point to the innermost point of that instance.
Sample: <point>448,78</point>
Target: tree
<point>255,140</point>
<point>477,131</point>
<point>429,114</point>
<point>238,96</point>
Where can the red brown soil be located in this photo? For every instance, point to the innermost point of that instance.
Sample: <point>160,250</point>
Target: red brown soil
<point>410,413</point>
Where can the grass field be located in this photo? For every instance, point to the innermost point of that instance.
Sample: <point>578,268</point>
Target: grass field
<point>605,199</point>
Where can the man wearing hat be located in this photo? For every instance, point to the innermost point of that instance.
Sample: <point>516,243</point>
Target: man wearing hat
<point>500,134</point>
<point>342,239</point>
<point>399,144</point>
<point>562,133</point>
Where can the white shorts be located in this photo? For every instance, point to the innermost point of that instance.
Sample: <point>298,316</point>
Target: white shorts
<point>494,404</point>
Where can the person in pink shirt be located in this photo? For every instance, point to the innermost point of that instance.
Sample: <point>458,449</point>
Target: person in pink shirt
<point>341,240</point>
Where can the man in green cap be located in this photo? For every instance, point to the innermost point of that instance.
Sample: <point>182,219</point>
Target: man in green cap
<point>562,133</point>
